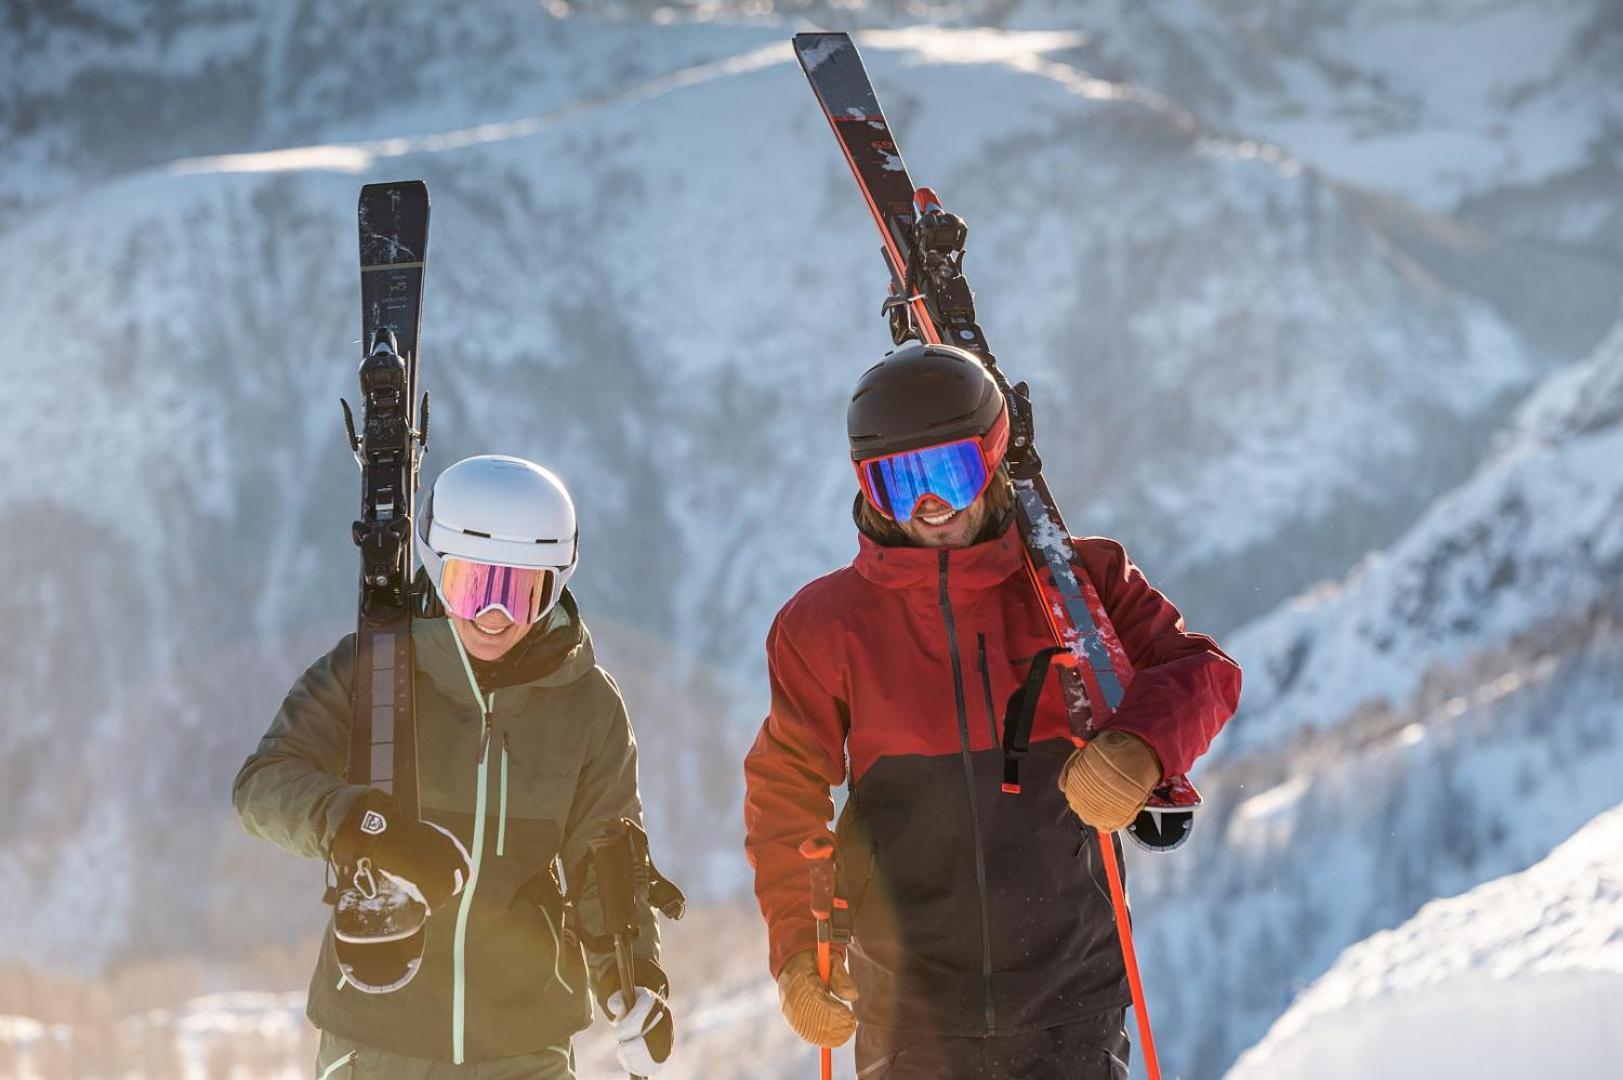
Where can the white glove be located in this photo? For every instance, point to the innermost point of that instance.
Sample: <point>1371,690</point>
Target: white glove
<point>642,1046</point>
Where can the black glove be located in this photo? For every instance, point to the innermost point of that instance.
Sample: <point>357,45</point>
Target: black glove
<point>422,858</point>
<point>644,1037</point>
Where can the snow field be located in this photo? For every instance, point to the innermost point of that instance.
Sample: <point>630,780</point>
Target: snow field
<point>1521,976</point>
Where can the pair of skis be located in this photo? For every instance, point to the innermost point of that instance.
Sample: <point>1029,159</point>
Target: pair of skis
<point>378,928</point>
<point>923,248</point>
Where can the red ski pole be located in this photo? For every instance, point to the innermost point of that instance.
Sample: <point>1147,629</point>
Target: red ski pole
<point>1124,931</point>
<point>819,854</point>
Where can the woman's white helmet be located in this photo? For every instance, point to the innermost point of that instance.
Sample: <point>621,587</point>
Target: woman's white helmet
<point>503,511</point>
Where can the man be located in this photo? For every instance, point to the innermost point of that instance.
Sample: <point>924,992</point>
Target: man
<point>525,754</point>
<point>984,943</point>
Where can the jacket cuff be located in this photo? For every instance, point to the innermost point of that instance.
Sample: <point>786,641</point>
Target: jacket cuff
<point>1162,743</point>
<point>789,937</point>
<point>645,971</point>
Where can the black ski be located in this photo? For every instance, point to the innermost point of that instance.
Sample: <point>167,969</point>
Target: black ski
<point>377,926</point>
<point>930,299</point>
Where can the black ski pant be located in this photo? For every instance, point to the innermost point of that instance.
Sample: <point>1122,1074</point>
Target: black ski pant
<point>1091,1049</point>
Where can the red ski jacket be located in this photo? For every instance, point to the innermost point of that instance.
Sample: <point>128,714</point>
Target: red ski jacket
<point>974,911</point>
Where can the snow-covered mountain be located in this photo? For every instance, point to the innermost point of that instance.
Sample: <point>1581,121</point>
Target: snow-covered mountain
<point>1442,717</point>
<point>1257,357</point>
<point>1535,538</point>
<point>1443,101</point>
<point>663,289</point>
<point>1520,976</point>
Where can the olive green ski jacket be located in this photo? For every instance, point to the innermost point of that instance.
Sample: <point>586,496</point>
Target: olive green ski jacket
<point>525,783</point>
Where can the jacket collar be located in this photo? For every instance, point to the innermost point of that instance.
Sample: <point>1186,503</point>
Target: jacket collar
<point>557,652</point>
<point>979,566</point>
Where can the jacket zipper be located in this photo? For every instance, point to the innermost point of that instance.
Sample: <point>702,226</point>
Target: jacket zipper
<point>969,791</point>
<point>481,799</point>
<point>459,949</point>
<point>986,688</point>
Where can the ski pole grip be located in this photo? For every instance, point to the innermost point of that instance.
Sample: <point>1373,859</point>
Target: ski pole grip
<point>615,874</point>
<point>818,851</point>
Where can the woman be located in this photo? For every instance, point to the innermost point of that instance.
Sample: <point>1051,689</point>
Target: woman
<point>515,718</point>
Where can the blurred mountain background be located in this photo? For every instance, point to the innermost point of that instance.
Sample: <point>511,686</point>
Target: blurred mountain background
<point>1318,302</point>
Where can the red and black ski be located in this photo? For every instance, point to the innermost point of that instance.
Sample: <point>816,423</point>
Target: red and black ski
<point>923,247</point>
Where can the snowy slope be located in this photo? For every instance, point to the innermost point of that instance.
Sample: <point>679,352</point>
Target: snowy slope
<point>1521,976</point>
<point>1306,849</point>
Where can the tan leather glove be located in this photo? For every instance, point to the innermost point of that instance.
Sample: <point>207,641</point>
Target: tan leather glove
<point>818,1016</point>
<point>1108,781</point>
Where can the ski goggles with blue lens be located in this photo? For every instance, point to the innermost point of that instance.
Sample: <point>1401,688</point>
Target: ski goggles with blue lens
<point>955,472</point>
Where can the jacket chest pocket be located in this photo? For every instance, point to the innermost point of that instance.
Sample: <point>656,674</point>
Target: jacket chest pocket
<point>989,696</point>
<point>535,810</point>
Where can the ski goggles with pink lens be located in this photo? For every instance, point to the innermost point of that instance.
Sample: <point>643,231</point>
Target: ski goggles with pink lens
<point>469,589</point>
<point>954,472</point>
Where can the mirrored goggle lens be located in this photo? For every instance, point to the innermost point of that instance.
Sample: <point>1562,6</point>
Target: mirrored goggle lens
<point>955,473</point>
<point>470,589</point>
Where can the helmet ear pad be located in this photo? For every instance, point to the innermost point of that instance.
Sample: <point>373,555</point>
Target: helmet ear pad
<point>425,585</point>
<point>425,597</point>
<point>433,565</point>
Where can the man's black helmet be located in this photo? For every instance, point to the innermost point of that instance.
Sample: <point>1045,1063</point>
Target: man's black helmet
<point>918,396</point>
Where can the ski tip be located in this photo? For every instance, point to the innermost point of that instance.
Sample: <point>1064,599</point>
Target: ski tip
<point>820,37</point>
<point>396,189</point>
<point>816,47</point>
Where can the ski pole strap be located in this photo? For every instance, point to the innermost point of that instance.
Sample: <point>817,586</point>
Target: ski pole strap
<point>659,892</point>
<point>663,894</point>
<point>839,927</point>
<point>1019,714</point>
